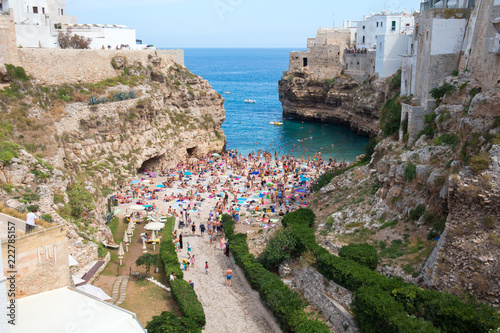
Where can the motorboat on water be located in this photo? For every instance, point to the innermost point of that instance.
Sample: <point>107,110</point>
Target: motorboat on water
<point>277,123</point>
<point>227,92</point>
<point>250,101</point>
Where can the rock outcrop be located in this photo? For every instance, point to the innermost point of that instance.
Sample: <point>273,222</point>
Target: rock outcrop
<point>99,135</point>
<point>342,101</point>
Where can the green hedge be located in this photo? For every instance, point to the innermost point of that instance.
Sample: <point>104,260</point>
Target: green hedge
<point>385,304</point>
<point>363,254</point>
<point>183,294</point>
<point>286,305</point>
<point>377,311</point>
<point>169,322</point>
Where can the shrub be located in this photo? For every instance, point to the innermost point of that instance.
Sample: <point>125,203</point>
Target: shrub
<point>369,150</point>
<point>390,118</point>
<point>16,73</point>
<point>8,151</point>
<point>169,322</point>
<point>447,139</point>
<point>417,212</point>
<point>282,246</point>
<point>430,126</point>
<point>445,90</point>
<point>81,201</point>
<point>480,163</point>
<point>363,254</point>
<point>69,40</point>
<point>147,260</point>
<point>410,171</point>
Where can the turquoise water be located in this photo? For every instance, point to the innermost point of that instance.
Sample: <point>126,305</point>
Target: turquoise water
<point>254,74</point>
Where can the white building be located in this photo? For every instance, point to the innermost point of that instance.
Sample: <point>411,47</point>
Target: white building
<point>38,23</point>
<point>390,35</point>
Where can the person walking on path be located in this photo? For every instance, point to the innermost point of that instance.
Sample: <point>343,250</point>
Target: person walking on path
<point>229,275</point>
<point>202,230</point>
<point>193,228</point>
<point>192,260</point>
<point>189,250</point>
<point>206,267</point>
<point>177,245</point>
<point>180,240</point>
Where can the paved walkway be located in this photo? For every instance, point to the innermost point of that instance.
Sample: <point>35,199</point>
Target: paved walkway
<point>227,309</point>
<point>119,290</point>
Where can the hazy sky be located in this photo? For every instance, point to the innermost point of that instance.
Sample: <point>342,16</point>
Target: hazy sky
<point>228,23</point>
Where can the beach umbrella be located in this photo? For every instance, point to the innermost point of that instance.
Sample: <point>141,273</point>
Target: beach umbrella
<point>215,154</point>
<point>135,182</point>
<point>94,291</point>
<point>121,253</point>
<point>154,226</point>
<point>130,229</point>
<point>255,173</point>
<point>300,190</point>
<point>188,173</point>
<point>144,248</point>
<point>160,185</point>
<point>137,207</point>
<point>126,240</point>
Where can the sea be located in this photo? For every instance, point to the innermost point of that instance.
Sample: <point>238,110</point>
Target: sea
<point>240,74</point>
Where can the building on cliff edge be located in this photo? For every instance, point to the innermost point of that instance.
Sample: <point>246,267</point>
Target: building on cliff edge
<point>38,22</point>
<point>450,35</point>
<point>324,56</point>
<point>381,40</point>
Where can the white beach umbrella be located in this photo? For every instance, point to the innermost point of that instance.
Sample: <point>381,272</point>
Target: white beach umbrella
<point>154,226</point>
<point>144,248</point>
<point>121,253</point>
<point>137,207</point>
<point>126,240</point>
<point>130,229</point>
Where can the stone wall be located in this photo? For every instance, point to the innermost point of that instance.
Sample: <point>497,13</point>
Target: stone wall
<point>55,66</point>
<point>360,66</point>
<point>483,65</point>
<point>327,296</point>
<point>8,46</point>
<point>415,117</point>
<point>41,261</point>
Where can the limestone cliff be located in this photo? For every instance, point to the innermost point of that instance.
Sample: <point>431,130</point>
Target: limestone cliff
<point>66,147</point>
<point>431,208</point>
<point>341,100</point>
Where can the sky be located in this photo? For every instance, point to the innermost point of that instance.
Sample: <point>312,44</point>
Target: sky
<point>228,23</point>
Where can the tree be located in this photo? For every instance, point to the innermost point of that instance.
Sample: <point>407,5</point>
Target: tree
<point>69,40</point>
<point>147,260</point>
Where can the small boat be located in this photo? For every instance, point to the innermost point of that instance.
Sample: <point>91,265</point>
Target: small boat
<point>250,101</point>
<point>277,123</point>
<point>227,92</point>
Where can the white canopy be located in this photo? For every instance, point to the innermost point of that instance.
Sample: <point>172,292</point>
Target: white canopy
<point>72,261</point>
<point>54,310</point>
<point>154,226</point>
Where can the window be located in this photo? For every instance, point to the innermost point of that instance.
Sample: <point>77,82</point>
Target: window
<point>43,10</point>
<point>62,11</point>
<point>364,38</point>
<point>35,10</point>
<point>393,28</point>
<point>407,24</point>
<point>427,35</point>
<point>377,24</point>
<point>304,62</point>
<point>380,46</point>
<point>363,27</point>
<point>381,24</point>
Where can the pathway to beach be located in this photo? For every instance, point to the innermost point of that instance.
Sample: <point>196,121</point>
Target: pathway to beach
<point>227,309</point>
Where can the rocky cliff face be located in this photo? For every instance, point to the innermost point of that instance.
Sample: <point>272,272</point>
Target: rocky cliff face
<point>72,143</point>
<point>341,100</point>
<point>432,209</point>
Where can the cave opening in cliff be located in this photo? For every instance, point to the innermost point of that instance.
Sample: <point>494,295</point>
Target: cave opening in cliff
<point>152,164</point>
<point>192,152</point>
